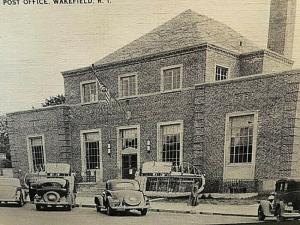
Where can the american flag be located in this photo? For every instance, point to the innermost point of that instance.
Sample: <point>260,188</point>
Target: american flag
<point>104,90</point>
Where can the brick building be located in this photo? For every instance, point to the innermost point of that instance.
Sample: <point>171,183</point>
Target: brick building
<point>191,90</point>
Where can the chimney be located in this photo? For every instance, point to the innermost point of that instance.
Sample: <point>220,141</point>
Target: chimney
<point>282,26</point>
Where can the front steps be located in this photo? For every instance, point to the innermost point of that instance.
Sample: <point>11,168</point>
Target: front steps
<point>88,189</point>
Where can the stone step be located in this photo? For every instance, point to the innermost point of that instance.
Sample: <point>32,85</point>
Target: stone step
<point>90,188</point>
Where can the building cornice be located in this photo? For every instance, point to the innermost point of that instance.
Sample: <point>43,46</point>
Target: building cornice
<point>39,109</point>
<point>267,52</point>
<point>250,77</point>
<point>185,50</point>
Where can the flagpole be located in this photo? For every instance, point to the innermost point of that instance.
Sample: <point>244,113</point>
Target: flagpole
<point>111,94</point>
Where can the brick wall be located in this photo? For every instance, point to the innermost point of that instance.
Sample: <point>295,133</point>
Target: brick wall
<point>148,72</point>
<point>220,58</point>
<point>273,96</point>
<point>145,111</point>
<point>52,122</point>
<point>275,64</point>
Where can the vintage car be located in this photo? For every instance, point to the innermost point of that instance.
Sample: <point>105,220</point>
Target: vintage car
<point>122,195</point>
<point>11,191</point>
<point>284,203</point>
<point>53,192</point>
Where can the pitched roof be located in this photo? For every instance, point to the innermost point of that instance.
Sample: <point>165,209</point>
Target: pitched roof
<point>184,30</point>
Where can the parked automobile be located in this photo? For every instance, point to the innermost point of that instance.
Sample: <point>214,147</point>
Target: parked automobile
<point>11,191</point>
<point>53,192</point>
<point>284,203</point>
<point>122,195</point>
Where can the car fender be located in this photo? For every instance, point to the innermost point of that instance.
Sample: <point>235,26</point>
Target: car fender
<point>266,207</point>
<point>99,200</point>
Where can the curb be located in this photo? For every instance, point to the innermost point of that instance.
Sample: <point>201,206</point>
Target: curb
<point>199,212</point>
<point>180,211</point>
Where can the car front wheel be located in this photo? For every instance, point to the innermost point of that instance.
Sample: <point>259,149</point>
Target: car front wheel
<point>144,212</point>
<point>260,214</point>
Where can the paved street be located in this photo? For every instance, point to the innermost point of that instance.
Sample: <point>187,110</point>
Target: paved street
<point>27,215</point>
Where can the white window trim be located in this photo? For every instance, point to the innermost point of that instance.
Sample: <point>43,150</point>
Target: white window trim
<point>227,139</point>
<point>224,66</point>
<point>81,91</point>
<point>159,125</point>
<point>83,153</point>
<point>162,78</point>
<point>120,86</point>
<point>119,147</point>
<point>29,150</point>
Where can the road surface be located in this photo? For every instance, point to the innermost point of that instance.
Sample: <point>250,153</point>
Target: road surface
<point>27,215</point>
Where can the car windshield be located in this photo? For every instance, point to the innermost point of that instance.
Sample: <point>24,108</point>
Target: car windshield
<point>291,185</point>
<point>123,186</point>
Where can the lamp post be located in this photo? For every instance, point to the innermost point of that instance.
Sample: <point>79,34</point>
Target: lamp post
<point>109,149</point>
<point>148,146</point>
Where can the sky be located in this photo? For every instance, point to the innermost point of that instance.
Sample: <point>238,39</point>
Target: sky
<point>38,42</point>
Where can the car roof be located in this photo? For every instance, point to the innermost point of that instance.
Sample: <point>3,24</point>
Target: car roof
<point>289,180</point>
<point>61,181</point>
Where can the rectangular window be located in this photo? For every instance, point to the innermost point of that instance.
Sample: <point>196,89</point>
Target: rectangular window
<point>129,138</point>
<point>89,92</point>
<point>171,143</point>
<point>128,86</point>
<point>221,73</point>
<point>92,153</point>
<point>171,78</point>
<point>241,139</point>
<point>37,153</point>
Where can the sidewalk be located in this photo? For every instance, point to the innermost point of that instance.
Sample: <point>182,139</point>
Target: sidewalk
<point>211,209</point>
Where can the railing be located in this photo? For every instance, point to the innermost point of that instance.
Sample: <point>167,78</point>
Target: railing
<point>239,186</point>
<point>214,185</point>
<point>169,183</point>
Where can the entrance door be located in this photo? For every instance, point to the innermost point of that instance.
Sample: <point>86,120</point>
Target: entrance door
<point>129,166</point>
<point>128,151</point>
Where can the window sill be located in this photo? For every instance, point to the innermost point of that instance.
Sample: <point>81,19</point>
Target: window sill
<point>170,91</point>
<point>239,164</point>
<point>127,97</point>
<point>88,103</point>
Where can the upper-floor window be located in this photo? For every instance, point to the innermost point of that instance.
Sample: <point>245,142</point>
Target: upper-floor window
<point>241,139</point>
<point>89,92</point>
<point>171,78</point>
<point>127,85</point>
<point>221,73</point>
<point>37,153</point>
